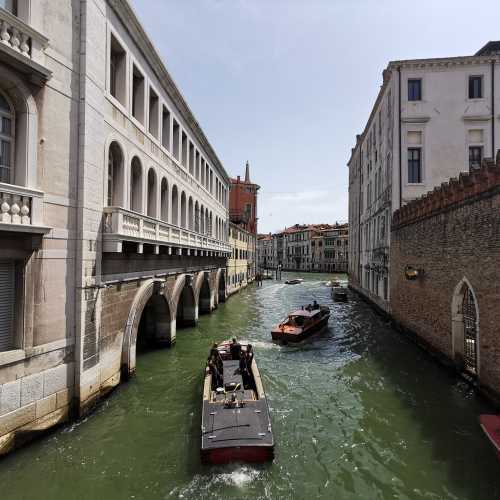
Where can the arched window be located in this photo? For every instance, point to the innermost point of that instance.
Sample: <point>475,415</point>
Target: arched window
<point>6,140</point>
<point>136,185</point>
<point>152,193</point>
<point>197,217</point>
<point>175,206</point>
<point>190,214</point>
<point>469,317</point>
<point>164,200</point>
<point>183,209</point>
<point>115,176</point>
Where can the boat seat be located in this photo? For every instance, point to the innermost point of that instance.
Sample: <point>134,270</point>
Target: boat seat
<point>231,373</point>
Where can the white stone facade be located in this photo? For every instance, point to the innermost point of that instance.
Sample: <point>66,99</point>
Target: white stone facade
<point>106,182</point>
<point>433,118</point>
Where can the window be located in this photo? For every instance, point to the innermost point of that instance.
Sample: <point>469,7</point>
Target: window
<point>10,5</point>
<point>153,113</point>
<point>475,157</point>
<point>117,71</point>
<point>414,166</point>
<point>137,95</point>
<point>165,131</point>
<point>7,304</point>
<point>475,87</point>
<point>176,139</point>
<point>415,89</point>
<point>6,140</point>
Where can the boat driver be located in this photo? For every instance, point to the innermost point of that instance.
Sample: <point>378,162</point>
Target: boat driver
<point>235,349</point>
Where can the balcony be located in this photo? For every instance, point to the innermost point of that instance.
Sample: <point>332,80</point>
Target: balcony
<point>21,210</point>
<point>124,225</point>
<point>23,47</point>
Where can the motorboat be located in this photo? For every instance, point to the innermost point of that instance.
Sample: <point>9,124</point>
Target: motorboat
<point>339,294</point>
<point>301,324</point>
<point>491,427</point>
<point>295,281</point>
<point>236,422</point>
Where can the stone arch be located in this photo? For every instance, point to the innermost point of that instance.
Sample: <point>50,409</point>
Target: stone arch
<point>136,187</point>
<point>185,300</point>
<point>465,345</point>
<point>25,127</point>
<point>151,293</point>
<point>152,193</point>
<point>175,205</point>
<point>206,299</point>
<point>115,161</point>
<point>164,201</point>
<point>221,285</point>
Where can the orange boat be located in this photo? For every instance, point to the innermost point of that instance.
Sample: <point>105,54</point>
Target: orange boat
<point>301,324</point>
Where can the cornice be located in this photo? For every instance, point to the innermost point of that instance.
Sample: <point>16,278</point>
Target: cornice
<point>443,62</point>
<point>131,22</point>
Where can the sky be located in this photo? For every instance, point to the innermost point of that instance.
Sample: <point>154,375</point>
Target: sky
<point>287,84</point>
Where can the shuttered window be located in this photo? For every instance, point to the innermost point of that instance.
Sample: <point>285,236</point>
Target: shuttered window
<point>7,302</point>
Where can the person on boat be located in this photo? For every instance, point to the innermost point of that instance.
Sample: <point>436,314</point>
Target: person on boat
<point>216,376</point>
<point>244,369</point>
<point>249,356</point>
<point>315,306</point>
<point>215,354</point>
<point>309,307</point>
<point>235,349</point>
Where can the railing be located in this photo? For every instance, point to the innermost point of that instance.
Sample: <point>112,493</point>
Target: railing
<point>21,38</point>
<point>124,225</point>
<point>20,206</point>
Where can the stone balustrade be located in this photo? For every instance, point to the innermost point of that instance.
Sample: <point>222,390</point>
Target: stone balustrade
<point>22,38</point>
<point>20,209</point>
<point>125,225</point>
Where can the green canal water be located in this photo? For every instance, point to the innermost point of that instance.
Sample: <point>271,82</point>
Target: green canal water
<point>358,413</point>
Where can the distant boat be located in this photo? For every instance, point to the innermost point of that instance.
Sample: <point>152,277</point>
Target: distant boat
<point>339,294</point>
<point>295,281</point>
<point>491,427</point>
<point>301,324</point>
<point>236,423</point>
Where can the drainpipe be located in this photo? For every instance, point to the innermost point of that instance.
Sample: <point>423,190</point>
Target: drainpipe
<point>400,140</point>
<point>493,109</point>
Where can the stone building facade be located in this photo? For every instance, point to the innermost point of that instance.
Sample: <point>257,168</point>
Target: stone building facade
<point>432,119</point>
<point>445,258</point>
<point>114,208</point>
<point>241,263</point>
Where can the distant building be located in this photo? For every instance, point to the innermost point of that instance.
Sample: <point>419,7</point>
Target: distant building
<point>241,264</point>
<point>321,248</point>
<point>432,119</point>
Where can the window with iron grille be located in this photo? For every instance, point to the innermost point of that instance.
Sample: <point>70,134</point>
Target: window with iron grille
<point>415,89</point>
<point>475,157</point>
<point>6,140</point>
<point>414,166</point>
<point>475,87</point>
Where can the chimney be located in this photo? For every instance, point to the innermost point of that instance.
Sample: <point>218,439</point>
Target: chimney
<point>247,172</point>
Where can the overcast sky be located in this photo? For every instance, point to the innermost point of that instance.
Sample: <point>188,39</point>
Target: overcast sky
<point>287,84</point>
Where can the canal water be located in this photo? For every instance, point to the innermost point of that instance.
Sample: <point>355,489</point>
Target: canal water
<point>358,413</point>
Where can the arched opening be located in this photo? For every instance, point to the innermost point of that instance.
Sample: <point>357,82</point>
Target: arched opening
<point>202,220</point>
<point>175,205</point>
<point>164,200</point>
<point>465,328</point>
<point>197,217</point>
<point>190,214</point>
<point>210,224</point>
<point>154,325</point>
<point>222,287</point>
<point>205,300</point>
<point>6,140</point>
<point>183,209</point>
<point>116,178</point>
<point>187,312</point>
<point>152,193</point>
<point>136,185</point>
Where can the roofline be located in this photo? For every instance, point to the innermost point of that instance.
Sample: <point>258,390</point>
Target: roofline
<point>132,24</point>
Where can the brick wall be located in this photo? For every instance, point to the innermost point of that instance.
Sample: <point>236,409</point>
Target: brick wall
<point>449,235</point>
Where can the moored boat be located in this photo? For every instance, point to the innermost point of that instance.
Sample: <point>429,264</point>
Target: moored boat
<point>491,427</point>
<point>295,281</point>
<point>236,423</point>
<point>301,324</point>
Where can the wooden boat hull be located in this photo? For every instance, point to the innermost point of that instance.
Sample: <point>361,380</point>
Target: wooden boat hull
<point>491,427</point>
<point>248,454</point>
<point>281,336</point>
<point>340,296</point>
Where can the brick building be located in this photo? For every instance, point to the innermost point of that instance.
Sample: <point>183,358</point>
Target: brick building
<point>445,256</point>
